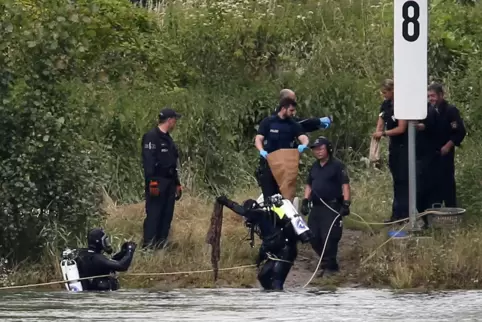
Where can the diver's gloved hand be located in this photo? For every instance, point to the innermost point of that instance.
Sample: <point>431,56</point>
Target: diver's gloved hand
<point>124,247</point>
<point>131,246</point>
<point>305,207</point>
<point>263,153</point>
<point>345,208</point>
<point>325,122</point>
<point>301,148</point>
<point>223,200</point>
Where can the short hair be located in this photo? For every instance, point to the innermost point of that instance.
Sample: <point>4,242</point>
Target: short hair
<point>286,103</point>
<point>285,93</point>
<point>388,84</point>
<point>437,88</point>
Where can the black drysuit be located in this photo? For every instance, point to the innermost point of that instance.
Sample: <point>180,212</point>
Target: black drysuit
<point>93,263</point>
<point>279,242</point>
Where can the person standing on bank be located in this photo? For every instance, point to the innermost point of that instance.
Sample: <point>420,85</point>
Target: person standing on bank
<point>396,130</point>
<point>327,186</point>
<point>449,132</point>
<point>277,132</point>
<point>162,185</point>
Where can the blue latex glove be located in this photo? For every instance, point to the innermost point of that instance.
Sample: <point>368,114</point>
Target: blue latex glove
<point>325,122</point>
<point>263,153</point>
<point>301,148</point>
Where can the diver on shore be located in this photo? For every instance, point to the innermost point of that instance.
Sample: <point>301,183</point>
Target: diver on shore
<point>92,262</point>
<point>279,231</point>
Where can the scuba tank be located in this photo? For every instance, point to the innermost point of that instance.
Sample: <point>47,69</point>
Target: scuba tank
<point>284,208</point>
<point>70,272</point>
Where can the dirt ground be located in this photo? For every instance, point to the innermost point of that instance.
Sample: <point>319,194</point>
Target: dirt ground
<point>307,261</point>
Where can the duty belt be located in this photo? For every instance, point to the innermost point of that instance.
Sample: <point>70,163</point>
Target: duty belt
<point>331,202</point>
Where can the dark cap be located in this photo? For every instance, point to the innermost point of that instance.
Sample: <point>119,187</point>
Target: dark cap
<point>167,112</point>
<point>321,141</point>
<point>286,102</point>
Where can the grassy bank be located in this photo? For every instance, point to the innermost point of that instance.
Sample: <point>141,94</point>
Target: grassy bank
<point>448,259</point>
<point>76,103</point>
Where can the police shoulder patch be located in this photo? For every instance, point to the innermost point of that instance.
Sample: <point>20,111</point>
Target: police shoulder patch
<point>150,146</point>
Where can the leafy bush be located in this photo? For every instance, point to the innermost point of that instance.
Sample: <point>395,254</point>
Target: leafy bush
<point>81,81</point>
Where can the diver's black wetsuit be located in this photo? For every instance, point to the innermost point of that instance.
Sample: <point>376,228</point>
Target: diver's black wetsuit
<point>279,240</point>
<point>91,262</point>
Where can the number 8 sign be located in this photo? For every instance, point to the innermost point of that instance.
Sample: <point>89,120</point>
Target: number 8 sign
<point>410,59</point>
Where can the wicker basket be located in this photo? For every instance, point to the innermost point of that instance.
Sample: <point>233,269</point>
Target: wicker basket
<point>446,217</point>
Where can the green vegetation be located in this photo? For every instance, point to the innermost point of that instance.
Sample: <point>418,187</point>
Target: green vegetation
<point>81,81</point>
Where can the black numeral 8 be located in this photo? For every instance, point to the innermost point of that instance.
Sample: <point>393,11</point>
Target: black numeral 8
<point>407,20</point>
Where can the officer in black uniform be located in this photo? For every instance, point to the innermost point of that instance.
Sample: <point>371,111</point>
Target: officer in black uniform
<point>327,186</point>
<point>162,185</point>
<point>449,132</point>
<point>277,132</point>
<point>426,158</point>
<point>92,262</point>
<point>396,130</point>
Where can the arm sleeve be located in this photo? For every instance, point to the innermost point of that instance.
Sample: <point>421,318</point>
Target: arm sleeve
<point>149,161</point>
<point>298,129</point>
<point>343,173</point>
<point>458,127</point>
<point>176,175</point>
<point>119,255</point>
<point>264,127</point>
<point>310,125</point>
<point>309,179</point>
<point>121,265</point>
<point>381,111</point>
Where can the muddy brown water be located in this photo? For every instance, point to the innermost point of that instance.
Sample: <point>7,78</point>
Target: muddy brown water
<point>296,304</point>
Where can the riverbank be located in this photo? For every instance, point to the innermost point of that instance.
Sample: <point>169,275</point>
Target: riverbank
<point>441,260</point>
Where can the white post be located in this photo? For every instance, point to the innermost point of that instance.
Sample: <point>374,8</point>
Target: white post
<point>410,78</point>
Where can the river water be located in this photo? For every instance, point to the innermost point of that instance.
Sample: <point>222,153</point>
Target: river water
<point>241,305</point>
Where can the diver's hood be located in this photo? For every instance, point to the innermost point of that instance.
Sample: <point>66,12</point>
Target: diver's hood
<point>99,241</point>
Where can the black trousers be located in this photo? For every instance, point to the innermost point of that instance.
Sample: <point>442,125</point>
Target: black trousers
<point>319,222</point>
<point>265,178</point>
<point>427,173</point>
<point>398,164</point>
<point>159,213</point>
<point>446,190</point>
<point>273,274</point>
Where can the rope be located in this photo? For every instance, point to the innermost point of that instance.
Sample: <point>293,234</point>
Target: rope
<point>127,274</point>
<point>368,224</point>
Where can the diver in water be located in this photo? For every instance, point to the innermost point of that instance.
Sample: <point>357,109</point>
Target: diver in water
<point>279,233</point>
<point>92,262</point>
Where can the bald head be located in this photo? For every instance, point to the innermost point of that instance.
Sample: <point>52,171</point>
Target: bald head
<point>287,93</point>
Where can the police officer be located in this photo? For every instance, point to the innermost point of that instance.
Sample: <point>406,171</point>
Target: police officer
<point>426,158</point>
<point>449,132</point>
<point>396,130</point>
<point>308,124</point>
<point>328,189</point>
<point>92,262</point>
<point>277,132</point>
<point>162,185</point>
